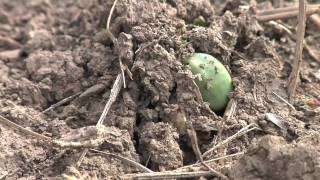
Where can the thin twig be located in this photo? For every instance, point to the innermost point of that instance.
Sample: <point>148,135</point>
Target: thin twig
<point>148,160</point>
<point>293,79</point>
<point>63,101</point>
<point>49,140</point>
<point>114,40</point>
<point>231,110</point>
<point>285,9</point>
<point>238,54</point>
<point>125,160</point>
<point>4,175</point>
<point>166,175</point>
<point>280,14</point>
<point>228,113</point>
<point>23,130</point>
<point>10,54</point>
<point>122,73</point>
<point>285,101</point>
<point>81,157</point>
<point>109,33</point>
<point>10,43</point>
<point>140,49</point>
<point>311,51</point>
<point>194,142</point>
<point>241,132</point>
<point>315,19</point>
<point>79,144</point>
<point>116,86</point>
<point>112,98</point>
<point>282,27</point>
<point>209,161</point>
<point>97,88</point>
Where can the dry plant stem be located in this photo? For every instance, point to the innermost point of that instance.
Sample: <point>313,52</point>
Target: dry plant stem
<point>315,18</point>
<point>194,142</point>
<point>78,144</point>
<point>10,54</point>
<point>283,27</point>
<point>122,73</point>
<point>116,86</point>
<point>23,130</point>
<point>231,108</point>
<point>166,175</point>
<point>286,9</point>
<point>309,50</point>
<point>63,101</point>
<point>114,40</point>
<point>112,98</point>
<point>241,132</point>
<point>293,79</point>
<point>140,49</point>
<point>5,174</point>
<point>10,42</point>
<point>81,157</point>
<point>48,140</point>
<point>125,160</point>
<point>109,33</point>
<point>312,51</point>
<point>208,161</point>
<point>285,101</point>
<point>285,15</point>
<point>148,160</point>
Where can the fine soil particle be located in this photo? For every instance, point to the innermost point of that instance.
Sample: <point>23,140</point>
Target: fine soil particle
<point>50,50</point>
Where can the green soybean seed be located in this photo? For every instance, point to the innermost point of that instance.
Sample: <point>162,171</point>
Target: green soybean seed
<point>200,21</point>
<point>215,84</point>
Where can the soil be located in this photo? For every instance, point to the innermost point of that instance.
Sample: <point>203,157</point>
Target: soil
<point>50,50</point>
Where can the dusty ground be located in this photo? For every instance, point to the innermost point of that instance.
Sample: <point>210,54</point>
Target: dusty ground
<point>50,50</point>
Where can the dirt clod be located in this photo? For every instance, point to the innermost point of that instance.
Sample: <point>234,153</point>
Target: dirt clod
<point>273,158</point>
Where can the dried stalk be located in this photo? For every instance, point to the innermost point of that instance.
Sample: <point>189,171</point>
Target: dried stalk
<point>23,130</point>
<point>284,13</point>
<point>116,86</point>
<point>285,101</point>
<point>63,101</point>
<point>241,132</point>
<point>113,95</point>
<point>184,168</point>
<point>167,175</point>
<point>194,142</point>
<point>109,33</point>
<point>293,79</point>
<point>286,9</point>
<point>125,160</point>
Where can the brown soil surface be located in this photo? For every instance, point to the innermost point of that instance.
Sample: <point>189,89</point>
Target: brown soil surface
<point>50,50</point>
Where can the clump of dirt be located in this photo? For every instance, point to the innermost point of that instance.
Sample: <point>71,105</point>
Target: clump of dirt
<point>159,143</point>
<point>273,158</point>
<point>52,50</point>
<point>56,73</point>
